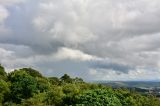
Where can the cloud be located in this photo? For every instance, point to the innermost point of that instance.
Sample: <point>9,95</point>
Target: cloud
<point>5,53</point>
<point>10,2</point>
<point>113,38</point>
<point>65,21</point>
<point>136,75</point>
<point>67,53</point>
<point>4,14</point>
<point>109,65</point>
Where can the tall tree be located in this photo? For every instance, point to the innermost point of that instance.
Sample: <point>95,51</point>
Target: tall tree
<point>23,85</point>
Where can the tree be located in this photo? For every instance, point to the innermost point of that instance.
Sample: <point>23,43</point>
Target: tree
<point>54,80</point>
<point>78,80</point>
<point>70,90</point>
<point>3,74</point>
<point>23,85</point>
<point>27,87</point>
<point>66,78</point>
<point>36,100</point>
<point>43,84</point>
<point>97,97</point>
<point>55,96</point>
<point>32,72</point>
<point>4,91</point>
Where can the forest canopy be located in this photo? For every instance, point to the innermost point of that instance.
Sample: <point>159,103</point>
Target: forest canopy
<point>28,87</point>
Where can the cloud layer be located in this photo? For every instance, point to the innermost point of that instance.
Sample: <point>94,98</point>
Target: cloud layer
<point>103,40</point>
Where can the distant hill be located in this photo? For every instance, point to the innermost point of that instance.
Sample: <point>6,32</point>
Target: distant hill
<point>146,84</point>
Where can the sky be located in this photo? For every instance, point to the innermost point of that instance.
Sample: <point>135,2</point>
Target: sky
<point>91,39</point>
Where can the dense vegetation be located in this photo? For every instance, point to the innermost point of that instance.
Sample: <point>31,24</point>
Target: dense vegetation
<point>28,87</point>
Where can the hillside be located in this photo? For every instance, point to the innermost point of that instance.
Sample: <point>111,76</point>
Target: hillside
<point>146,84</point>
<point>28,87</point>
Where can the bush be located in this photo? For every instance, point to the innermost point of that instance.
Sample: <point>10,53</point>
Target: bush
<point>55,96</point>
<point>98,97</point>
<point>36,100</point>
<point>4,91</point>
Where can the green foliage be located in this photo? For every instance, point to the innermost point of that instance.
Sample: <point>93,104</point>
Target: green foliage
<point>66,78</point>
<point>54,80</point>
<point>27,87</point>
<point>78,80</point>
<point>70,90</point>
<point>151,101</point>
<point>42,84</point>
<point>4,91</point>
<point>32,72</point>
<point>36,100</point>
<point>98,97</point>
<point>3,74</point>
<point>23,85</point>
<point>55,96</point>
<point>126,98</point>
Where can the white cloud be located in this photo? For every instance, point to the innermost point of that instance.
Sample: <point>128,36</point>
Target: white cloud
<point>67,53</point>
<point>64,20</point>
<point>5,53</point>
<point>3,14</point>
